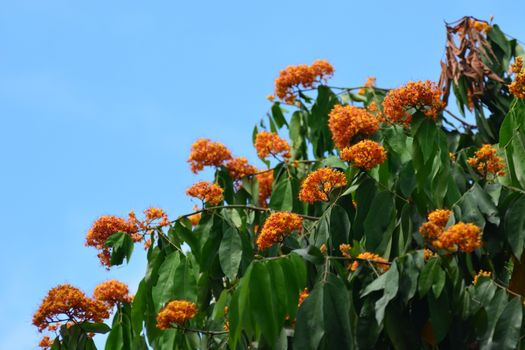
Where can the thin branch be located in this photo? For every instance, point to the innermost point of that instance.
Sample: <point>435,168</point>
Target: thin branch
<point>239,206</point>
<point>201,331</point>
<point>464,122</point>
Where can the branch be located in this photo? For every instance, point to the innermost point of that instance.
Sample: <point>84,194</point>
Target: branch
<point>464,122</point>
<point>239,206</point>
<point>201,331</point>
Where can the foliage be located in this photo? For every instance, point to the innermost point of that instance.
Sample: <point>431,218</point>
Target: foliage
<point>383,266</point>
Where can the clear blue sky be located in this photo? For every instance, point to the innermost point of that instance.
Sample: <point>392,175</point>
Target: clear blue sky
<point>101,100</point>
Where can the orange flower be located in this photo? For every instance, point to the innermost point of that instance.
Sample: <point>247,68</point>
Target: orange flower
<point>45,343</point>
<point>318,184</point>
<point>439,217</point>
<point>378,262</point>
<point>430,231</point>
<point>301,75</point>
<point>66,301</point>
<point>104,227</point>
<point>176,312</point>
<point>401,103</point>
<point>480,26</point>
<point>153,217</point>
<point>112,292</point>
<point>277,227</point>
<point>344,248</point>
<point>365,154</point>
<point>465,237</point>
<point>206,192</point>
<point>479,274</point>
<point>428,254</point>
<point>239,168</point>
<point>517,87</point>
<point>348,121</point>
<point>205,152</point>
<point>370,82</point>
<point>269,143</point>
<point>323,248</point>
<point>486,162</point>
<point>303,295</point>
<point>265,180</point>
<point>195,218</point>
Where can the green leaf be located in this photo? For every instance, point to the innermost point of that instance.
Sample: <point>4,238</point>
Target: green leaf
<point>426,278</point>
<point>282,195</point>
<point>514,225</point>
<point>324,316</point>
<point>100,328</point>
<point>176,281</point>
<point>507,332</point>
<point>378,222</point>
<point>439,281</point>
<point>262,303</point>
<point>230,252</point>
<point>278,115</point>
<point>440,315</point>
<point>391,288</point>
<point>121,246</point>
<point>138,307</point>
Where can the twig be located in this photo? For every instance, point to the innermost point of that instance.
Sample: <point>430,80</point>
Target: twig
<point>239,206</point>
<point>201,331</point>
<point>465,123</point>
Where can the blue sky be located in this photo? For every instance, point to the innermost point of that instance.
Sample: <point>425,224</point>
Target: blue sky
<point>101,100</point>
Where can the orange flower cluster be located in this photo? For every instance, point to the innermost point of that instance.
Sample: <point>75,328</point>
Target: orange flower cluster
<point>428,254</point>
<point>239,167</point>
<point>112,292</point>
<point>462,236</point>
<point>318,184</point>
<point>436,222</point>
<point>269,143</point>
<point>303,295</point>
<point>265,187</point>
<point>45,343</point>
<point>71,303</point>
<point>104,227</point>
<point>344,248</point>
<point>345,122</point>
<point>487,162</point>
<point>378,262</point>
<point>206,192</point>
<point>423,96</point>
<point>370,82</point>
<point>153,217</point>
<point>278,226</point>
<point>176,312</point>
<point>479,274</point>
<point>365,154</point>
<point>517,87</point>
<point>307,76</point>
<point>205,152</point>
<point>481,26</point>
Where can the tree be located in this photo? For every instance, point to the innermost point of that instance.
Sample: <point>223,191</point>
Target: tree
<point>384,221</point>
